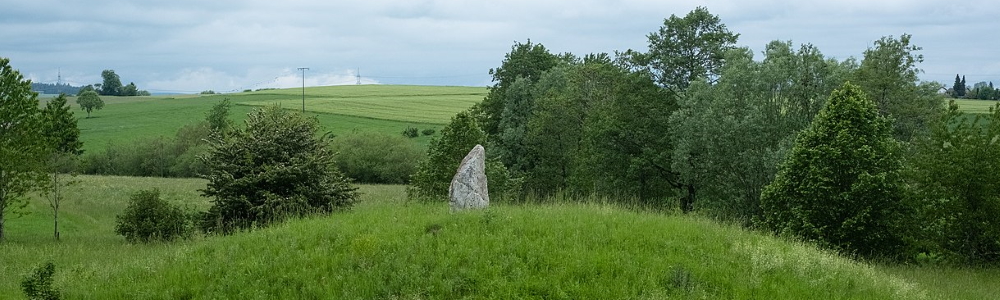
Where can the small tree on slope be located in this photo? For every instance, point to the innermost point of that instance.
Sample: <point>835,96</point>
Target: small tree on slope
<point>841,186</point>
<point>275,168</point>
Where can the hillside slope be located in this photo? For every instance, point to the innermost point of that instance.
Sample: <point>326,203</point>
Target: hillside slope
<point>393,249</point>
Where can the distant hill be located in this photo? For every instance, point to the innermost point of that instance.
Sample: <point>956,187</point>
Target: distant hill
<point>55,89</point>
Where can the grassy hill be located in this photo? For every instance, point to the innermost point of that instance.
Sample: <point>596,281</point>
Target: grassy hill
<point>340,109</point>
<point>389,248</point>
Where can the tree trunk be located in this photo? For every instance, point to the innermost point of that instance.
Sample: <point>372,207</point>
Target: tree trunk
<point>687,203</point>
<point>55,204</point>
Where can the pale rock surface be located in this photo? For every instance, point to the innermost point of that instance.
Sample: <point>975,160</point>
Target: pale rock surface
<point>468,188</point>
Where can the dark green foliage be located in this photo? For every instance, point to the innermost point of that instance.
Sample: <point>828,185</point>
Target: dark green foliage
<point>275,168</point>
<point>55,89</point>
<point>38,286</point>
<point>956,177</point>
<point>841,186</point>
<point>130,90</point>
<point>87,88</point>
<point>370,157</point>
<point>428,131</point>
<point>730,136</point>
<point>525,60</point>
<point>411,132</point>
<point>444,155</point>
<point>148,218</point>
<point>60,126</point>
<point>958,89</point>
<point>24,148</point>
<point>112,84</point>
<point>89,101</point>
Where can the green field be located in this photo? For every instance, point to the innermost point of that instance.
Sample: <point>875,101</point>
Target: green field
<point>975,106</point>
<point>340,109</point>
<point>388,248</point>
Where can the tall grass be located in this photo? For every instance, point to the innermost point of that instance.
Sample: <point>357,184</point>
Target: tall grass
<point>388,247</point>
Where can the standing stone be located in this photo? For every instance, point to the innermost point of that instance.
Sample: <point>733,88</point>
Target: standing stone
<point>468,187</point>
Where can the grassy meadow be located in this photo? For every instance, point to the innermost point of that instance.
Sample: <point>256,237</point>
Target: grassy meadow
<point>340,109</point>
<point>389,248</point>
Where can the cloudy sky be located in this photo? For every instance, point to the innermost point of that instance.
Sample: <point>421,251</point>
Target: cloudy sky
<point>225,45</point>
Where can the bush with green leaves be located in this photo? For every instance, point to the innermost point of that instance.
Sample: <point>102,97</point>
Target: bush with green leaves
<point>841,185</point>
<point>38,285</point>
<point>411,132</point>
<point>156,157</point>
<point>370,157</point>
<point>434,174</point>
<point>149,218</point>
<point>275,168</point>
<point>955,175</point>
<point>428,131</point>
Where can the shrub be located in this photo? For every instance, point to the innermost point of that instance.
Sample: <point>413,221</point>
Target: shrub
<point>434,174</point>
<point>158,156</point>
<point>277,167</point>
<point>149,218</point>
<point>38,286</point>
<point>841,186</point>
<point>411,132</point>
<point>370,157</point>
<point>428,131</point>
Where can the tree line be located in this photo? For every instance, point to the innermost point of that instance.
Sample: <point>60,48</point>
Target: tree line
<point>980,90</point>
<point>792,142</point>
<point>111,85</point>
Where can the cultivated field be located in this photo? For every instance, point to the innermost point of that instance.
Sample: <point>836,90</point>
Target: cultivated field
<point>387,247</point>
<point>975,106</point>
<point>340,109</point>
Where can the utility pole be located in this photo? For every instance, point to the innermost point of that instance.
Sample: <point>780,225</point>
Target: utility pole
<point>303,88</point>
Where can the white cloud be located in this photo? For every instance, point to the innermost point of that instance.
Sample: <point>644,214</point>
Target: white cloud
<point>195,45</point>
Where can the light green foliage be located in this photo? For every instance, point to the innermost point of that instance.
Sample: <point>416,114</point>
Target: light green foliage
<point>444,155</point>
<point>90,101</point>
<point>38,286</point>
<point>371,157</point>
<point>148,218</point>
<point>24,148</point>
<point>731,136</point>
<point>841,186</point>
<point>275,168</point>
<point>218,118</point>
<point>956,177</point>
<point>686,49</point>
<point>888,74</point>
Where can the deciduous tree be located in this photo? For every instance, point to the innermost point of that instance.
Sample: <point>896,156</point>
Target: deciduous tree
<point>60,127</point>
<point>955,174</point>
<point>24,148</point>
<point>841,184</point>
<point>90,101</point>
<point>112,84</point>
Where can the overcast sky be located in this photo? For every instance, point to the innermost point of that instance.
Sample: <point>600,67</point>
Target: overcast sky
<point>226,45</point>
